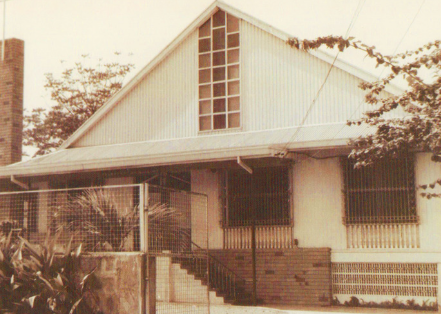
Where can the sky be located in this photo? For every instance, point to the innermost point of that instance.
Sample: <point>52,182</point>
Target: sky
<point>58,32</point>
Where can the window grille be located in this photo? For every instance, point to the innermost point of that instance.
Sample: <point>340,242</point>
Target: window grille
<point>263,196</point>
<point>379,194</point>
<point>219,73</point>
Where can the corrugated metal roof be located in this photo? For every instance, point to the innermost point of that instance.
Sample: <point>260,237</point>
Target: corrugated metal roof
<point>203,148</point>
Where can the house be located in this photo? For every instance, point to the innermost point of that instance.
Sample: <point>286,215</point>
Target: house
<point>227,110</point>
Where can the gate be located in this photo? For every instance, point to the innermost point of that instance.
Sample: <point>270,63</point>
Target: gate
<point>176,241</point>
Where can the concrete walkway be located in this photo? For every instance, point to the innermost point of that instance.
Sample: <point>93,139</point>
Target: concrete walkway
<point>341,309</point>
<point>172,308</point>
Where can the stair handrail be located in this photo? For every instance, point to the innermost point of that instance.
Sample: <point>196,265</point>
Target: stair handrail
<point>219,262</point>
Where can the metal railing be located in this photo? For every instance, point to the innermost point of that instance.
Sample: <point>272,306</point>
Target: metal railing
<point>216,275</point>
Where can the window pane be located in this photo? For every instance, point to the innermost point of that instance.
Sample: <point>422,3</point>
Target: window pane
<point>219,39</point>
<point>205,107</point>
<point>219,74</point>
<point>219,58</point>
<point>219,89</point>
<point>205,123</point>
<point>233,56</point>
<point>233,88</point>
<point>219,121</point>
<point>204,60</point>
<point>204,91</point>
<point>219,105</point>
<point>204,76</point>
<point>219,18</point>
<point>234,120</point>
<point>204,30</point>
<point>233,103</point>
<point>233,40</point>
<point>233,72</point>
<point>232,24</point>
<point>204,45</point>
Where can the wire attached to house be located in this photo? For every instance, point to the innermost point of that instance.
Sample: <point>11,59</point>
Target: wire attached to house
<point>380,75</point>
<point>351,25</point>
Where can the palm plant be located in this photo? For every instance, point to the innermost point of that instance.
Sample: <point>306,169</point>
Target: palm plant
<point>96,216</point>
<point>168,229</point>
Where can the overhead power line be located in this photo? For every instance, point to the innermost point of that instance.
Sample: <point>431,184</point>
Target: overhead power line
<point>305,117</point>
<point>380,75</point>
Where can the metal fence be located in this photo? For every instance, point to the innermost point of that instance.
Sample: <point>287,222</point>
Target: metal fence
<point>101,218</point>
<point>169,225</point>
<point>178,241</point>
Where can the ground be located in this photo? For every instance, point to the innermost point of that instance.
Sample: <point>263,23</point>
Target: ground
<point>166,308</point>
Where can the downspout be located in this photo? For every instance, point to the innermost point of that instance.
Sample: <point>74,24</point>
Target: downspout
<point>19,183</point>
<point>244,165</point>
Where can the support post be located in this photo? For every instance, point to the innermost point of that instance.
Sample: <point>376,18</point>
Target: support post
<point>151,290</point>
<point>143,249</point>
<point>253,258</point>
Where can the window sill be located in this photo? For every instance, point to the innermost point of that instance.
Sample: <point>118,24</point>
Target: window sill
<point>221,131</point>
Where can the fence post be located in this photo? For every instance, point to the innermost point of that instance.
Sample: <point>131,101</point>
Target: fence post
<point>150,278</point>
<point>142,246</point>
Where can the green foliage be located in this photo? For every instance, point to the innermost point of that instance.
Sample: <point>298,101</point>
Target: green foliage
<point>419,129</point>
<point>96,216</point>
<point>35,281</point>
<point>104,226</point>
<point>78,93</point>
<point>394,304</point>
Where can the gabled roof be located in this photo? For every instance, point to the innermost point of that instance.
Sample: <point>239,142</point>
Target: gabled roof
<point>113,101</point>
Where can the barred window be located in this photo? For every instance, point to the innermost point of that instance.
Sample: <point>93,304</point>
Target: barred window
<point>263,196</point>
<point>382,193</point>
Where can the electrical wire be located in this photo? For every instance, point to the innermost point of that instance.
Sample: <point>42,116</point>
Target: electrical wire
<point>311,106</point>
<point>380,75</point>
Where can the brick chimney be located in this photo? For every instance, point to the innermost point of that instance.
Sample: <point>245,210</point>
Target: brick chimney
<point>11,102</point>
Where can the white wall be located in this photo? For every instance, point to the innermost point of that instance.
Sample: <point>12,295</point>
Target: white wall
<point>206,182</point>
<point>318,203</point>
<point>163,105</point>
<point>429,211</point>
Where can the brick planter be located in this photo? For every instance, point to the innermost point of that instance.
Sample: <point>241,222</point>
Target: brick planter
<point>299,276</point>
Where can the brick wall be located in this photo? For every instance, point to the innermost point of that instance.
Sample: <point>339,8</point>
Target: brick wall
<point>119,276</point>
<point>299,276</point>
<point>11,102</point>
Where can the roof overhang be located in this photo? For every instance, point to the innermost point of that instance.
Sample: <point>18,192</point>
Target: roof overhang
<point>209,148</point>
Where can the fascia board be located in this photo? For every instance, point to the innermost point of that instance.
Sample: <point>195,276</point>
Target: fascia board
<point>165,160</point>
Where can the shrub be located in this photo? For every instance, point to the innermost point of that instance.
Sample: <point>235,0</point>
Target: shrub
<point>34,280</point>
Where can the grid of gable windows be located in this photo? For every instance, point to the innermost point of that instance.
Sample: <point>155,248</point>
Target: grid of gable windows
<point>219,85</point>
<point>382,193</point>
